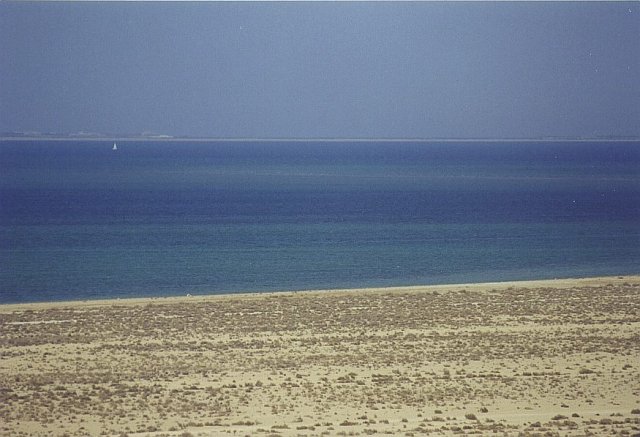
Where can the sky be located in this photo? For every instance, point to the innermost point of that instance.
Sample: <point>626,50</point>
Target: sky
<point>322,69</point>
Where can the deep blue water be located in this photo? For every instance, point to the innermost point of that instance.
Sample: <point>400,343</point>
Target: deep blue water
<point>80,221</point>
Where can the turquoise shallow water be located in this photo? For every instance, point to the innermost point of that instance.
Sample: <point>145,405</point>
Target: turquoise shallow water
<point>80,221</point>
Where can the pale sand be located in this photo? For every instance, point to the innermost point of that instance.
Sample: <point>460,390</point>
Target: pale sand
<point>560,357</point>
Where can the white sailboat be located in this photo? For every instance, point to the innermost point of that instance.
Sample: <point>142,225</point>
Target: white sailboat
<point>115,147</point>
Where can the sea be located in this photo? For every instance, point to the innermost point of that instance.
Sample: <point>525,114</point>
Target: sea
<point>81,221</point>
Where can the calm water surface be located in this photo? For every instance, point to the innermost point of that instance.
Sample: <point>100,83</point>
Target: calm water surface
<point>80,221</point>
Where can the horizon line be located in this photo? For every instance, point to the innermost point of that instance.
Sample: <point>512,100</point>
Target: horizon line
<point>308,139</point>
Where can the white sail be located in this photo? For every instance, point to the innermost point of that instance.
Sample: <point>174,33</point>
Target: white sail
<point>115,147</point>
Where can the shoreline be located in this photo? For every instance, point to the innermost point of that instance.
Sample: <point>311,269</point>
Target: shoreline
<point>188,298</point>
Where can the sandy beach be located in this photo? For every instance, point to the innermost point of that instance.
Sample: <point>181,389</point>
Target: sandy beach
<point>557,357</point>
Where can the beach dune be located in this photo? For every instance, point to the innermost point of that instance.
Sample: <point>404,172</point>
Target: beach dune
<point>556,357</point>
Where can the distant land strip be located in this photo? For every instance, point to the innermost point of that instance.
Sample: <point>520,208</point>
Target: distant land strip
<point>319,139</point>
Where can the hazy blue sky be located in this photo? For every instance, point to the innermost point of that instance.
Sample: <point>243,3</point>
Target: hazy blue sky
<point>497,69</point>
